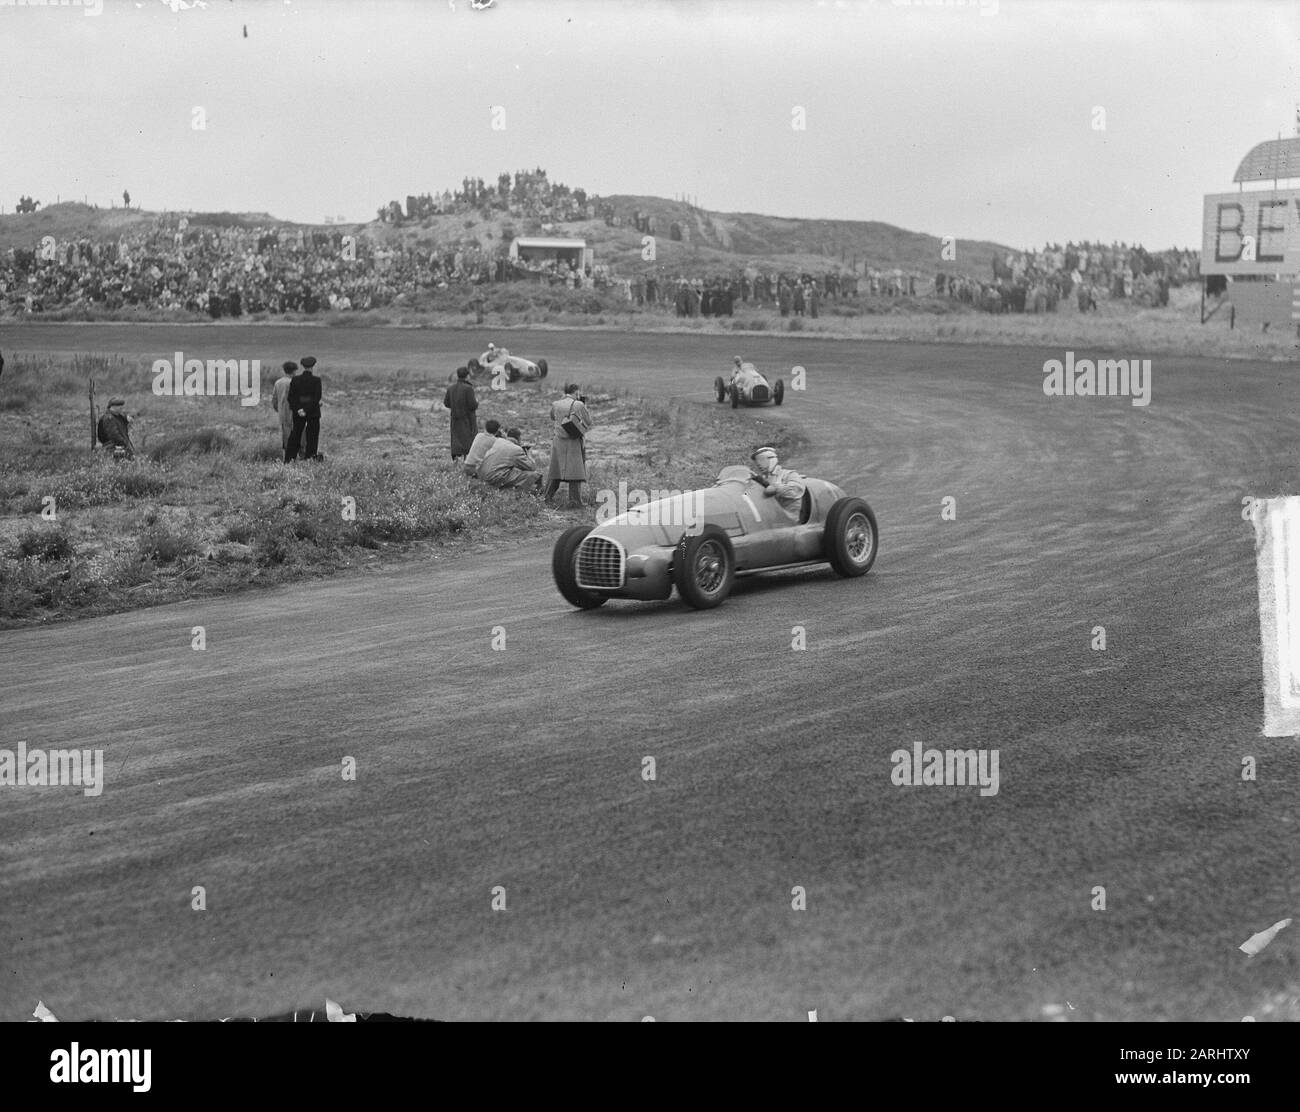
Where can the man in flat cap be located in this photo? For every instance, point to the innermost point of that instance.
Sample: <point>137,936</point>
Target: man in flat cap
<point>462,402</point>
<point>114,429</point>
<point>779,482</point>
<point>280,403</point>
<point>304,400</point>
<point>568,462</point>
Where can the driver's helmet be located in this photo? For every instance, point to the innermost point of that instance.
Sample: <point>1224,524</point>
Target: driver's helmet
<point>736,362</point>
<point>766,459</point>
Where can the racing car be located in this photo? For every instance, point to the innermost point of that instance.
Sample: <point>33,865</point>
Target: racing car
<point>517,369</point>
<point>748,386</point>
<point>700,541</point>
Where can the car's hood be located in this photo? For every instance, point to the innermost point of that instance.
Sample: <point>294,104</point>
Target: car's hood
<point>664,520</point>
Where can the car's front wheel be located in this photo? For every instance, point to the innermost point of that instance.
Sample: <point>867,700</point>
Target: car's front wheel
<point>851,537</point>
<point>720,388</point>
<point>778,392</point>
<point>564,566</point>
<point>735,395</point>
<point>704,568</point>
<point>541,368</point>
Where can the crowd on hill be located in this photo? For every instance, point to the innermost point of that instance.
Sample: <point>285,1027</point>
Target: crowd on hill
<point>529,194</point>
<point>1078,274</point>
<point>225,268</point>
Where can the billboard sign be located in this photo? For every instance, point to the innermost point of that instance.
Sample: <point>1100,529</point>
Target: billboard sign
<point>1251,232</point>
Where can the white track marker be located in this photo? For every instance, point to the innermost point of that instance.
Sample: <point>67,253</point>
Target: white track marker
<point>1257,942</point>
<point>334,1014</point>
<point>44,1014</point>
<point>1277,558</point>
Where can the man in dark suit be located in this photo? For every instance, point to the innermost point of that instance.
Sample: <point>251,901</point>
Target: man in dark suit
<point>304,404</point>
<point>462,403</point>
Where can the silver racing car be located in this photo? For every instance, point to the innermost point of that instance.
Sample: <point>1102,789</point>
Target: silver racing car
<point>699,541</point>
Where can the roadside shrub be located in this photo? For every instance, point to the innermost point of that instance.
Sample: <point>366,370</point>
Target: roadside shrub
<point>196,443</point>
<point>163,544</point>
<point>266,451</point>
<point>52,543</point>
<point>240,530</point>
<point>795,325</point>
<point>137,481</point>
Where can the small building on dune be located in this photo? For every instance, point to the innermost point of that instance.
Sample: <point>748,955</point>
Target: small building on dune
<point>535,250</point>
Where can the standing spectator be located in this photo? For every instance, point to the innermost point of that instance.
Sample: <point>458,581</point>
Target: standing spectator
<point>460,399</point>
<point>813,298</point>
<point>280,403</point>
<point>568,446</point>
<point>304,401</point>
<point>798,299</point>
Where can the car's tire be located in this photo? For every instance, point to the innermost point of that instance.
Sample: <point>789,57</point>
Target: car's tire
<point>512,373</point>
<point>851,539</point>
<point>541,368</point>
<point>565,573</point>
<point>720,388</point>
<point>734,391</point>
<point>778,392</point>
<point>704,568</point>
<point>474,368</point>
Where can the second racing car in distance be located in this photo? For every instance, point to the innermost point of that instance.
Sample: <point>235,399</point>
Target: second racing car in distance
<point>699,541</point>
<point>516,367</point>
<point>747,387</point>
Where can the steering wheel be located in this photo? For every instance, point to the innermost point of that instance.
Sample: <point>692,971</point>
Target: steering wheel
<point>759,479</point>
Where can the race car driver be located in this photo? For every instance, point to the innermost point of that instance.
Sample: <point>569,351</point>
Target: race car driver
<point>779,482</point>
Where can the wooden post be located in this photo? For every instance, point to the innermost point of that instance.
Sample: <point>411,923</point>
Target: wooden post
<point>94,420</point>
<point>1202,298</point>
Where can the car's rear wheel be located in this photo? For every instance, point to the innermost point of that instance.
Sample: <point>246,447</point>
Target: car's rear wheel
<point>778,392</point>
<point>851,537</point>
<point>564,566</point>
<point>704,568</point>
<point>720,388</point>
<point>541,368</point>
<point>735,395</point>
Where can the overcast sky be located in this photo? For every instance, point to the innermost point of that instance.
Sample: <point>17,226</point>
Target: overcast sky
<point>968,120</point>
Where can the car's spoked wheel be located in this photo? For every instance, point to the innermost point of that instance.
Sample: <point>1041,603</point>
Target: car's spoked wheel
<point>852,537</point>
<point>704,568</point>
<point>860,539</point>
<point>720,389</point>
<point>735,395</point>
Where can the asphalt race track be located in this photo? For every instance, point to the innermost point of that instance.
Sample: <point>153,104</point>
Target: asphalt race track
<point>522,768</point>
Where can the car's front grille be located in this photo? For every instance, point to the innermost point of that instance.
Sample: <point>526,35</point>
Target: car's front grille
<point>758,394</point>
<point>600,563</point>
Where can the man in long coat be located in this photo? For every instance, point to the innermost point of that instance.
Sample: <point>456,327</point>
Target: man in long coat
<point>568,453</point>
<point>461,401</point>
<point>280,403</point>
